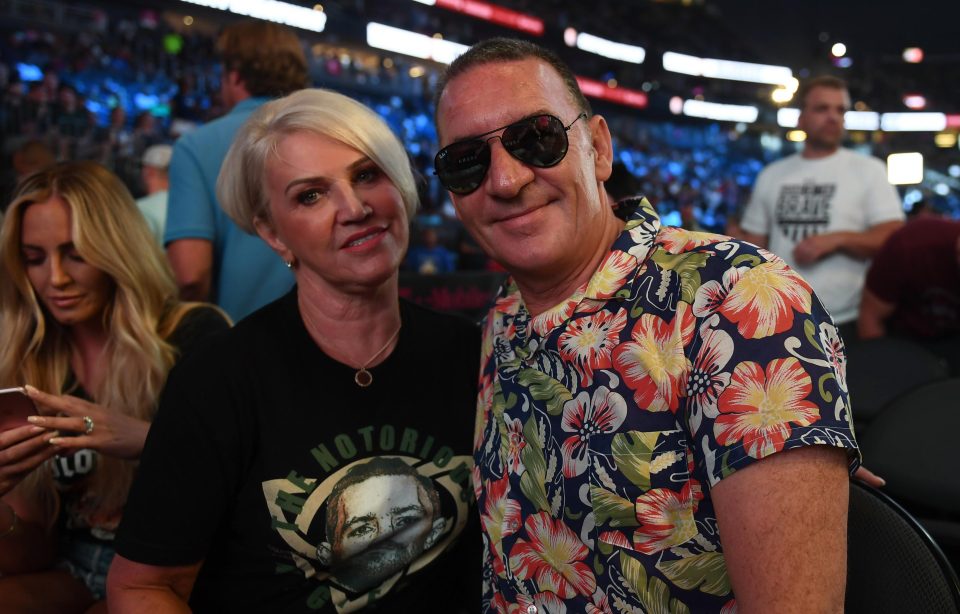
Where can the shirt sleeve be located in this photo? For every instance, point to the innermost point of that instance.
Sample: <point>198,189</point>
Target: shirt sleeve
<point>770,366</point>
<point>189,471</point>
<point>197,327</point>
<point>191,209</point>
<point>883,201</point>
<point>756,215</point>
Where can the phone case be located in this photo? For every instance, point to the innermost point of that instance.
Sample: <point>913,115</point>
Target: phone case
<point>15,406</point>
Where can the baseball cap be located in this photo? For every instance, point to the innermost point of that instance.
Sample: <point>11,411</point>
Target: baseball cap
<point>157,156</point>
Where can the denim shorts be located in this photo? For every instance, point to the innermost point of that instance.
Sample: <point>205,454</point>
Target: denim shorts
<point>87,560</point>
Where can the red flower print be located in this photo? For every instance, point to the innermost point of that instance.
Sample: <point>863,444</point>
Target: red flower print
<point>676,240</point>
<point>584,416</point>
<point>588,342</point>
<point>760,301</point>
<point>500,517</point>
<point>666,517</point>
<point>654,364</point>
<point>759,406</point>
<point>611,276</point>
<point>553,558</point>
<point>514,445</point>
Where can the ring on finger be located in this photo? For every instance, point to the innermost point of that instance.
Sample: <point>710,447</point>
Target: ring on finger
<point>87,425</point>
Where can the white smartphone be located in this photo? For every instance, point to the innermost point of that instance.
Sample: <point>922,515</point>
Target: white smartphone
<point>15,406</point>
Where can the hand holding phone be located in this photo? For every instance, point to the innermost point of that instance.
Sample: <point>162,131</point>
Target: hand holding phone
<point>15,406</point>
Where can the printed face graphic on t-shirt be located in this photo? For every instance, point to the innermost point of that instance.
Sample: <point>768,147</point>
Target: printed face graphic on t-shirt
<point>361,527</point>
<point>378,526</point>
<point>803,210</point>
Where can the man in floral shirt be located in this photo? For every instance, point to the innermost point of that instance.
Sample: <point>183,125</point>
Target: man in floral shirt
<point>663,423</point>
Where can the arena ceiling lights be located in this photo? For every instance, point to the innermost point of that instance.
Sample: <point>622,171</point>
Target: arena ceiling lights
<point>606,48</point>
<point>421,46</point>
<point>493,13</point>
<point>620,95</point>
<point>271,10</point>
<point>720,112</point>
<point>727,69</point>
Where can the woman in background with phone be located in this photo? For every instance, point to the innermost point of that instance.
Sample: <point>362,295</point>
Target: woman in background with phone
<point>90,325</point>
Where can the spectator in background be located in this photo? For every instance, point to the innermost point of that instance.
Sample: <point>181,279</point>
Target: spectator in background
<point>827,210</point>
<point>429,257</point>
<point>74,123</point>
<point>913,287</point>
<point>153,206</point>
<point>30,157</point>
<point>212,257</point>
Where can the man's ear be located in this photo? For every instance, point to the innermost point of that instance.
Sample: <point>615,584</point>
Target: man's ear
<point>268,233</point>
<point>602,147</point>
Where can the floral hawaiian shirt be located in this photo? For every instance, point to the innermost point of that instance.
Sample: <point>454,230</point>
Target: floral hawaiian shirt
<point>603,423</point>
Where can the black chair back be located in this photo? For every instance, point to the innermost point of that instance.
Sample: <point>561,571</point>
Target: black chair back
<point>881,370</point>
<point>893,565</point>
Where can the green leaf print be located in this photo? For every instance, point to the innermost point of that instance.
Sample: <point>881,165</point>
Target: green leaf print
<point>542,387</point>
<point>653,593</point>
<point>611,507</point>
<point>821,385</point>
<point>810,332</point>
<point>687,266</point>
<point>632,451</point>
<point>751,259</point>
<point>533,481</point>
<point>705,572</point>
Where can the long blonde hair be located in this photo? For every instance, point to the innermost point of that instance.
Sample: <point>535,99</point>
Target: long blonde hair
<point>110,234</point>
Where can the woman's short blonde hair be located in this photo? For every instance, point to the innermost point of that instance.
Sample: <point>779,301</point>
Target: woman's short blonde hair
<point>240,186</point>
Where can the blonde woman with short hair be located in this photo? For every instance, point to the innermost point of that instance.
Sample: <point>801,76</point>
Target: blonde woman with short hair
<point>330,431</point>
<point>91,325</point>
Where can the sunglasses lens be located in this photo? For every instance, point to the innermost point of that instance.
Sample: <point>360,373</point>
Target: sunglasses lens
<point>539,141</point>
<point>461,166</point>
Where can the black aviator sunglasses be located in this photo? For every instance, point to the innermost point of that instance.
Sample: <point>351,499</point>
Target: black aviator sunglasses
<point>540,140</point>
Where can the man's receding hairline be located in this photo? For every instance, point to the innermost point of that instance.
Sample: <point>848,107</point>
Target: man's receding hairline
<point>500,61</point>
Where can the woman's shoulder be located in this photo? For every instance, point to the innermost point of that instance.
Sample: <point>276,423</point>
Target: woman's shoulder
<point>433,322</point>
<point>193,324</point>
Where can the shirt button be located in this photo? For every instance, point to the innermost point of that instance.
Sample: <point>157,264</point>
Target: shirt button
<point>531,609</point>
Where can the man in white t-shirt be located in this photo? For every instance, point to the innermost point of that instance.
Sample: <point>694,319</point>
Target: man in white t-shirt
<point>826,210</point>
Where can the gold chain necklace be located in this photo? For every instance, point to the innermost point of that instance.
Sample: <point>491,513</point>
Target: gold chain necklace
<point>364,378</point>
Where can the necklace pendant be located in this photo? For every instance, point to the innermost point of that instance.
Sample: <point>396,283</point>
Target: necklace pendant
<point>363,378</point>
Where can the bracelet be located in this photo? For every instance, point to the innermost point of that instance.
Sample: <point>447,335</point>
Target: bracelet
<point>13,524</point>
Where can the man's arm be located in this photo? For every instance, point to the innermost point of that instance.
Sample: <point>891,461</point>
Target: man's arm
<point>783,526</point>
<point>135,587</point>
<point>862,245</point>
<point>873,312</point>
<point>192,262</point>
<point>756,239</point>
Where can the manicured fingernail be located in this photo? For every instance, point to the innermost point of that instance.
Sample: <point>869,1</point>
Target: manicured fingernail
<point>35,419</point>
<point>54,441</point>
<point>37,429</point>
<point>30,389</point>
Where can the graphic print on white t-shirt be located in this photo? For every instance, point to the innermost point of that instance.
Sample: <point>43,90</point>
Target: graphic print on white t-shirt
<point>803,210</point>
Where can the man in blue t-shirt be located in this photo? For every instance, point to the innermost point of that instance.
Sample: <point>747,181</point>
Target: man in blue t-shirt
<point>213,259</point>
